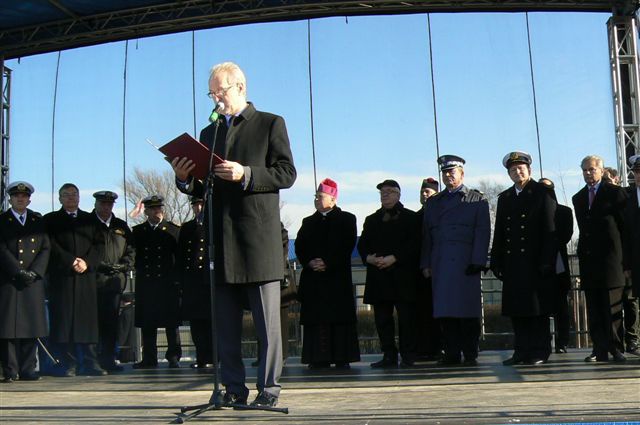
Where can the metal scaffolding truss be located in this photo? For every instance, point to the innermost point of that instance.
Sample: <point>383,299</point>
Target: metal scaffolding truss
<point>65,28</point>
<point>5,104</point>
<point>625,82</point>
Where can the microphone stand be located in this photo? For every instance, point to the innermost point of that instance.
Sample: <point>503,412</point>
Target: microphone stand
<point>216,402</point>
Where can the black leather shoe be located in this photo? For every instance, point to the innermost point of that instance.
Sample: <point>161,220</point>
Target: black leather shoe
<point>591,358</point>
<point>618,357</point>
<point>470,362</point>
<point>385,363</point>
<point>265,399</point>
<point>561,350</point>
<point>233,398</point>
<point>145,365</point>
<point>449,362</point>
<point>174,364</point>
<point>343,366</point>
<point>511,361</point>
<point>319,365</point>
<point>406,363</point>
<point>113,368</point>
<point>634,351</point>
<point>95,371</point>
<point>535,362</point>
<point>255,363</point>
<point>201,366</point>
<point>30,377</point>
<point>69,373</point>
<point>9,379</point>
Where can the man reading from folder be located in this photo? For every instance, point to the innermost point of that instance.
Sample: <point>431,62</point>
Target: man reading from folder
<point>246,228</point>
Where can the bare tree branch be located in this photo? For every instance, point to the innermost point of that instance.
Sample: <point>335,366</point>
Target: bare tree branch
<point>143,183</point>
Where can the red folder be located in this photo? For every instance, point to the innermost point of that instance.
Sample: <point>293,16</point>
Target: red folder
<point>186,146</point>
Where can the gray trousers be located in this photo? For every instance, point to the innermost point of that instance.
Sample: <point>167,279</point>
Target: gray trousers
<point>264,301</point>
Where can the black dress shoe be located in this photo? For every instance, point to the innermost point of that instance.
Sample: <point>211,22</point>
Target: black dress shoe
<point>255,363</point>
<point>145,365</point>
<point>319,365</point>
<point>95,371</point>
<point>470,362</point>
<point>513,360</point>
<point>634,351</point>
<point>201,366</point>
<point>618,357</point>
<point>343,366</point>
<point>449,362</point>
<point>265,399</point>
<point>385,363</point>
<point>591,358</point>
<point>113,368</point>
<point>535,362</point>
<point>69,373</point>
<point>233,398</point>
<point>174,364</point>
<point>30,377</point>
<point>9,379</point>
<point>561,350</point>
<point>406,363</point>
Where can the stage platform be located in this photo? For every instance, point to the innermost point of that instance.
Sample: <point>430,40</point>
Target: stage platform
<point>565,390</point>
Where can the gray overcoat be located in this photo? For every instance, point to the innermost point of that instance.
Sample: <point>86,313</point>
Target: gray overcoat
<point>456,232</point>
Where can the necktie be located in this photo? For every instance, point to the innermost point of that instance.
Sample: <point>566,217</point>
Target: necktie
<point>21,219</point>
<point>73,215</point>
<point>592,195</point>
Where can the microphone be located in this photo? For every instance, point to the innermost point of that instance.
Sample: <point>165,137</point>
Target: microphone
<point>215,114</point>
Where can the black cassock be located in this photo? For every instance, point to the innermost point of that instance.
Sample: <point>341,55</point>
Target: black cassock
<point>328,311</point>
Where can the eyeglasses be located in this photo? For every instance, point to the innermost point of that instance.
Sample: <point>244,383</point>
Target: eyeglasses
<point>388,192</point>
<point>220,92</point>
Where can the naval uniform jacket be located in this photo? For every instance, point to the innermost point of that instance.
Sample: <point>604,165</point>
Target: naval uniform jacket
<point>327,296</point>
<point>523,244</point>
<point>72,297</point>
<point>399,237</point>
<point>192,264</point>
<point>22,312</point>
<point>117,249</point>
<point>246,219</point>
<point>600,241</point>
<point>456,232</point>
<point>157,289</point>
<point>632,240</point>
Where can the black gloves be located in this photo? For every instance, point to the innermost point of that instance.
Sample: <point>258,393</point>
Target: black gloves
<point>111,268</point>
<point>26,277</point>
<point>473,269</point>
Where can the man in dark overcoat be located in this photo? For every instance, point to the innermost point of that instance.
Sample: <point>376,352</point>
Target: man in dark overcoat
<point>116,261</point>
<point>632,237</point>
<point>324,245</point>
<point>24,254</point>
<point>76,244</point>
<point>523,257</point>
<point>157,287</point>
<point>246,226</point>
<point>599,209</point>
<point>428,334</point>
<point>564,231</point>
<point>388,246</point>
<point>192,265</point>
<point>455,247</point>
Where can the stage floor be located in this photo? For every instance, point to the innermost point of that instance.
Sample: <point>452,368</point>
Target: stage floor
<point>565,390</point>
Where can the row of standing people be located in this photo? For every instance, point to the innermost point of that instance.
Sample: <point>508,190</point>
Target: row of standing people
<point>529,255</point>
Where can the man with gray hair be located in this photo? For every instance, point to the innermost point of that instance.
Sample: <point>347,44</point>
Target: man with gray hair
<point>599,210</point>
<point>246,228</point>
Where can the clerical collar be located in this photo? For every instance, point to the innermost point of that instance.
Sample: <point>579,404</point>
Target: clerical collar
<point>324,214</point>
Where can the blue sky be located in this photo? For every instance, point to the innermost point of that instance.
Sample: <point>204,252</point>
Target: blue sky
<point>373,103</point>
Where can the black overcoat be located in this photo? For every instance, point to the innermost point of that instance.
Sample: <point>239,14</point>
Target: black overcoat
<point>117,249</point>
<point>327,296</point>
<point>398,236</point>
<point>73,308</point>
<point>157,288</point>
<point>192,264</point>
<point>632,240</point>
<point>564,232</point>
<point>246,219</point>
<point>600,240</point>
<point>22,312</point>
<point>524,250</point>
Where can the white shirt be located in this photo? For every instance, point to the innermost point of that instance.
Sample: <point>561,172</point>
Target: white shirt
<point>18,215</point>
